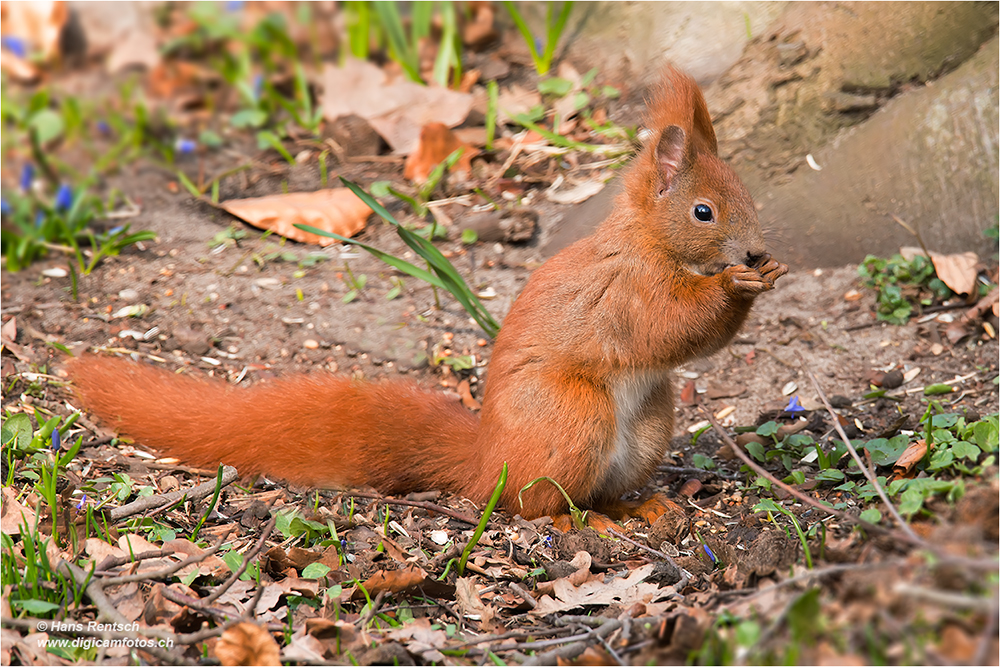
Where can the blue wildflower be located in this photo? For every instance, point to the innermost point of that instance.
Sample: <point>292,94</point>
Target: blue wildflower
<point>103,127</point>
<point>27,176</point>
<point>15,45</point>
<point>539,47</point>
<point>5,208</point>
<point>56,440</point>
<point>794,405</point>
<point>39,218</point>
<point>83,502</point>
<point>64,198</point>
<point>185,146</point>
<point>709,552</point>
<point>116,230</point>
<point>234,5</point>
<point>258,86</point>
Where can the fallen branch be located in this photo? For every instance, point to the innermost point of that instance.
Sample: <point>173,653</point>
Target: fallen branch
<point>168,570</point>
<point>229,475</point>
<point>234,577</point>
<point>579,645</point>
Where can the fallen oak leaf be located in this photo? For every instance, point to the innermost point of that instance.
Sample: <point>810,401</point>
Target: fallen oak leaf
<point>336,210</point>
<point>247,644</point>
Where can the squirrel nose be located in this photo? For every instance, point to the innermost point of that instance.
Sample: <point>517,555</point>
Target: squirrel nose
<point>755,259</point>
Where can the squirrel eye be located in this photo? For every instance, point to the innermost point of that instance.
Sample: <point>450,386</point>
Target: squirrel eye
<point>703,213</point>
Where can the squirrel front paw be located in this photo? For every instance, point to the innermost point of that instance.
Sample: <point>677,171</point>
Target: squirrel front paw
<point>749,282</point>
<point>770,270</point>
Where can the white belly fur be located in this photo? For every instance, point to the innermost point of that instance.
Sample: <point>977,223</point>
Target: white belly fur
<point>631,392</point>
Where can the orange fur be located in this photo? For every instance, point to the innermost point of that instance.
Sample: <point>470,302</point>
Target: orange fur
<point>579,385</point>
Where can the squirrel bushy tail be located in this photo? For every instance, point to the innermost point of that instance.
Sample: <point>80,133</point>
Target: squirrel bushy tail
<point>315,430</point>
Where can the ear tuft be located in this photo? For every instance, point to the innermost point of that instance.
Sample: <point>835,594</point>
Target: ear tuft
<point>670,153</point>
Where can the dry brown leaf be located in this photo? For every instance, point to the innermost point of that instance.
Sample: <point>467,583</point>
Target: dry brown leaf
<point>336,210</point>
<point>470,604</point>
<point>910,457</point>
<point>408,579</point>
<point>515,100</point>
<point>14,513</point>
<point>436,143</point>
<point>247,644</point>
<point>956,646</point>
<point>127,600</point>
<point>625,592</point>
<point>957,271</point>
<point>420,638</point>
<point>397,110</point>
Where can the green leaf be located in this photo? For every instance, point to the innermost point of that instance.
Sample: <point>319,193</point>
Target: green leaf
<point>469,236</point>
<point>555,86</point>
<point>886,452</point>
<point>803,617</point>
<point>47,125</point>
<point>937,389</point>
<point>315,571</point>
<point>871,515</point>
<point>767,505</point>
<point>986,435</point>
<point>248,118</point>
<point>767,429</point>
<point>703,462</point>
<point>966,450</point>
<point>610,92</point>
<point>747,633</point>
<point>35,607</point>
<point>756,450</point>
<point>829,475</point>
<point>16,431</point>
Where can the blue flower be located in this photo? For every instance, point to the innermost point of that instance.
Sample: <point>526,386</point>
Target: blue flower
<point>794,405</point>
<point>15,45</point>
<point>116,230</point>
<point>39,218</point>
<point>185,146</point>
<point>55,440</point>
<point>5,208</point>
<point>258,86</point>
<point>234,5</point>
<point>64,198</point>
<point>83,502</point>
<point>103,127</point>
<point>27,176</point>
<point>709,552</point>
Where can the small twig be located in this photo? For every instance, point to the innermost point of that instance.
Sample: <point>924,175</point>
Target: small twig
<point>416,503</point>
<point>166,571</point>
<point>247,557</point>
<point>193,603</point>
<point>229,475</point>
<point>523,594</point>
<point>579,645</point>
<point>869,475</point>
<point>819,573</point>
<point>946,598</point>
<point>372,610</point>
<point>988,637</point>
<point>508,635</point>
<point>114,561</point>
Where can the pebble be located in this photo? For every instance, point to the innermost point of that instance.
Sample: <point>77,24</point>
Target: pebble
<point>128,295</point>
<point>310,344</point>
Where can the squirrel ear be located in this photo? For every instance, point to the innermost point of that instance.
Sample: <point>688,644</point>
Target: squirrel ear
<point>670,153</point>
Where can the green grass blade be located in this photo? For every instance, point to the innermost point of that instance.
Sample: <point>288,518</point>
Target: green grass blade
<point>388,13</point>
<point>493,91</point>
<point>494,499</point>
<point>391,260</point>
<point>525,31</point>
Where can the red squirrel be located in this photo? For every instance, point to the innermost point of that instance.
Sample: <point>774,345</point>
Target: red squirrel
<point>579,386</point>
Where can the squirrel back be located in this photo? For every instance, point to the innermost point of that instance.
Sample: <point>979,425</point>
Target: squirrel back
<point>579,388</point>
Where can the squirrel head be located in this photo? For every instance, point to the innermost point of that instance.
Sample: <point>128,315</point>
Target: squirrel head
<point>690,201</point>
